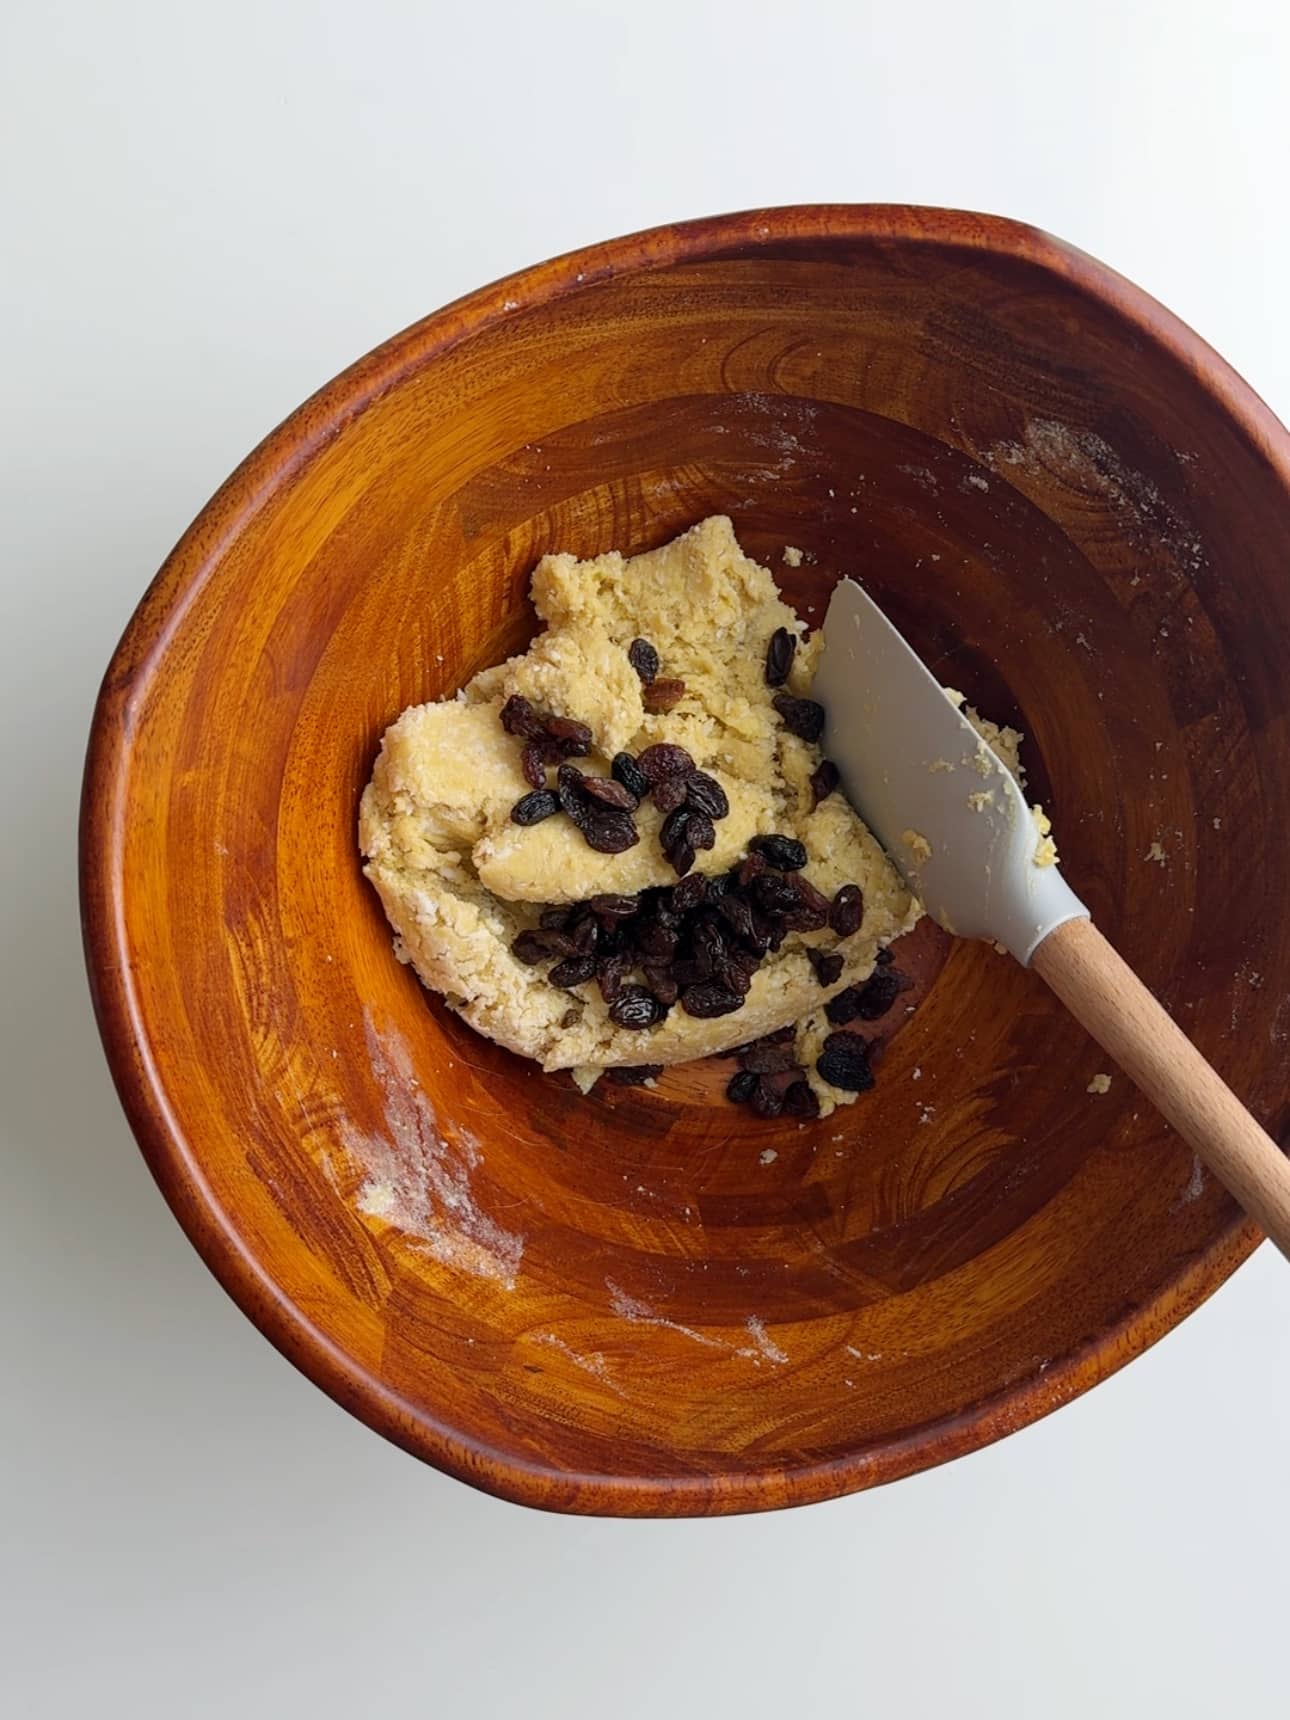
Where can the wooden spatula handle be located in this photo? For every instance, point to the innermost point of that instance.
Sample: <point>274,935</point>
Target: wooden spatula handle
<point>1104,994</point>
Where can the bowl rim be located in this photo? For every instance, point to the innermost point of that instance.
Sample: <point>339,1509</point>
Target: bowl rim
<point>170,1156</point>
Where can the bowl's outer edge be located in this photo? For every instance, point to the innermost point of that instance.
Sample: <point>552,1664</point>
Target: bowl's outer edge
<point>284,452</point>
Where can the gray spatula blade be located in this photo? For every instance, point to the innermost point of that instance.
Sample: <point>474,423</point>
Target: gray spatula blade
<point>942,803</point>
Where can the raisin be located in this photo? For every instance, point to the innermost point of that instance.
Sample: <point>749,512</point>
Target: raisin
<point>810,909</point>
<point>519,718</point>
<point>533,761</point>
<point>669,794</point>
<point>801,717</point>
<point>689,893</point>
<point>611,832</point>
<point>708,946</point>
<point>800,919</point>
<point>664,760</point>
<point>751,868</point>
<point>686,971</point>
<point>741,1087</point>
<point>828,967</point>
<point>884,958</point>
<point>774,894</point>
<point>720,886</point>
<point>644,659</point>
<point>699,832</point>
<point>609,793</point>
<point>605,828</point>
<point>635,1007</point>
<point>763,1058</point>
<point>574,970</point>
<point>748,961</point>
<point>846,910</point>
<point>611,973</point>
<point>730,972</point>
<point>656,942</point>
<point>661,695</point>
<point>807,895</point>
<point>707,999</point>
<point>706,794</point>
<point>628,772</point>
<point>615,907</point>
<point>781,852</point>
<point>660,907</point>
<point>633,1074</point>
<point>675,826</point>
<point>844,1007</point>
<point>877,995</point>
<point>761,934</point>
<point>767,1101</point>
<point>824,779</point>
<point>530,949</point>
<point>533,808</point>
<point>556,919</point>
<point>737,912</point>
<point>779,656</point>
<point>572,739</point>
<point>585,933</point>
<point>800,1101</point>
<point>844,1063</point>
<point>568,785</point>
<point>662,984</point>
<point>556,943</point>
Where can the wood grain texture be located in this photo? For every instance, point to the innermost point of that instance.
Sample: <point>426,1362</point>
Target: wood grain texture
<point>1069,505</point>
<point>1109,1001</point>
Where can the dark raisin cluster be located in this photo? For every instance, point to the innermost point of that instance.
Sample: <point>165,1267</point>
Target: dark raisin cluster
<point>696,943</point>
<point>690,801</point>
<point>771,1080</point>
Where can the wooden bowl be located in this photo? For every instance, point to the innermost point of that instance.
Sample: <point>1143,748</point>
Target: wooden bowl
<point>648,1302</point>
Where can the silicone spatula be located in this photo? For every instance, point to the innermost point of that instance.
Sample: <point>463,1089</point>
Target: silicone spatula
<point>954,821</point>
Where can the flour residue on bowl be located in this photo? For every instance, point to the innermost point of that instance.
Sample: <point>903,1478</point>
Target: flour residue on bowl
<point>592,1362</point>
<point>767,426</point>
<point>763,1340</point>
<point>1194,1186</point>
<point>632,1308</point>
<point>1087,462</point>
<point>763,1346</point>
<point>418,1180</point>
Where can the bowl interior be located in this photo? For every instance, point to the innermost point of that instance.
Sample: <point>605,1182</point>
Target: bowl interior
<point>646,1300</point>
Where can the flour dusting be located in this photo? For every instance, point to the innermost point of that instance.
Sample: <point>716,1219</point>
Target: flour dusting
<point>592,1363</point>
<point>630,1308</point>
<point>1194,1187</point>
<point>418,1181</point>
<point>1087,462</point>
<point>763,1340</point>
<point>923,476</point>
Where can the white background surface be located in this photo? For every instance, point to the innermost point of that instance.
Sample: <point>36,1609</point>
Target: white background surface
<point>207,211</point>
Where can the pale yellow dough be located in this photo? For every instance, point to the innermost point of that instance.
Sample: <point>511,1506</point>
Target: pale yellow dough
<point>459,881</point>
